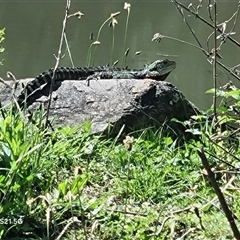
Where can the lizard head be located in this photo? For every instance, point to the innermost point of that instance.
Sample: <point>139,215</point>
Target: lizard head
<point>159,69</point>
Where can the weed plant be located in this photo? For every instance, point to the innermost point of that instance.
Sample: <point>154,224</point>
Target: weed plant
<point>68,183</point>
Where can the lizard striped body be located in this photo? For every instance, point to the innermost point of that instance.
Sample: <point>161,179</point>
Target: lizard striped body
<point>157,70</point>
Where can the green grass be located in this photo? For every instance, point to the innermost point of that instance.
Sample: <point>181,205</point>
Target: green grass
<point>50,178</point>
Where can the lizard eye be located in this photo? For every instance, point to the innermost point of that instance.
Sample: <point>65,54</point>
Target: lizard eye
<point>154,68</point>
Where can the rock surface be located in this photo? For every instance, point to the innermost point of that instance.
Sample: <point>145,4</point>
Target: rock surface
<point>136,104</point>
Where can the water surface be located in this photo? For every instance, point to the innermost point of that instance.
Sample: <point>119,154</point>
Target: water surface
<point>33,30</point>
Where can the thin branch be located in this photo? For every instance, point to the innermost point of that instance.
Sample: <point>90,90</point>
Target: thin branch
<point>215,62</point>
<point>205,21</point>
<point>162,225</point>
<point>195,37</point>
<point>224,189</point>
<point>211,176</point>
<point>235,20</point>
<point>191,30</point>
<point>69,222</point>
<point>57,59</point>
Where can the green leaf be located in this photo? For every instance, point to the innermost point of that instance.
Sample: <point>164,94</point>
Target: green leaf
<point>212,90</point>
<point>79,183</point>
<point>62,187</point>
<point>6,150</point>
<point>30,178</point>
<point>15,186</point>
<point>234,94</point>
<point>168,141</point>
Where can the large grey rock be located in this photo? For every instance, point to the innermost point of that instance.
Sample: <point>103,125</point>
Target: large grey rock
<point>133,103</point>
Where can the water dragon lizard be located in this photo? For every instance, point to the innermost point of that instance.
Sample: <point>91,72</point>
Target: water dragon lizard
<point>157,70</point>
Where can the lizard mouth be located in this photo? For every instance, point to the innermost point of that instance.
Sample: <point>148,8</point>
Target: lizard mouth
<point>158,77</point>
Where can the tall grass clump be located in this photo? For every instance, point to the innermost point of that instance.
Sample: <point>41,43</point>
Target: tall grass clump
<point>34,164</point>
<point>112,20</point>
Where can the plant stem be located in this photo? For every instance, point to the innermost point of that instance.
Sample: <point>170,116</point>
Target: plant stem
<point>125,38</point>
<point>68,3</point>
<point>214,62</point>
<point>113,44</point>
<point>98,36</point>
<point>68,49</point>
<point>89,56</point>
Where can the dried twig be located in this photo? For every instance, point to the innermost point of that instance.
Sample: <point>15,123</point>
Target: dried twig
<point>225,150</point>
<point>5,83</point>
<point>128,212</point>
<point>211,176</point>
<point>170,216</point>
<point>205,21</point>
<point>186,233</point>
<point>229,183</point>
<point>162,226</point>
<point>70,222</point>
<point>215,62</point>
<point>179,6</point>
<point>57,59</point>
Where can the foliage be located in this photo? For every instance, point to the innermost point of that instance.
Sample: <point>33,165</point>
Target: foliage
<point>54,182</point>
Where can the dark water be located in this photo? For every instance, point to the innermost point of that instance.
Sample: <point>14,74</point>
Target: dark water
<point>33,30</point>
